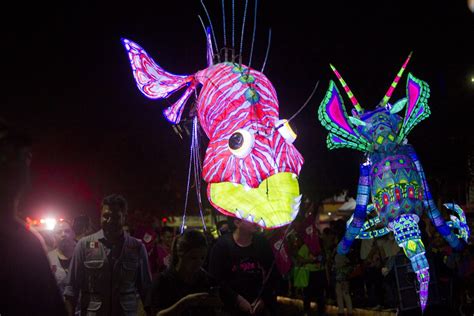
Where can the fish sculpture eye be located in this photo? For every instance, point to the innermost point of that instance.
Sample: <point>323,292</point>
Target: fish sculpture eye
<point>236,141</point>
<point>241,143</point>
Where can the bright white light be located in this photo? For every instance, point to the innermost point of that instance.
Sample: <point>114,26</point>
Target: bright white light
<point>329,213</point>
<point>49,223</point>
<point>472,79</point>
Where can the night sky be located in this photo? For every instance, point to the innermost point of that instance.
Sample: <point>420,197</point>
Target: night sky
<point>67,80</point>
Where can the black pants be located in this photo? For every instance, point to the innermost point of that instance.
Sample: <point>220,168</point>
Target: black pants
<point>316,291</point>
<point>374,284</point>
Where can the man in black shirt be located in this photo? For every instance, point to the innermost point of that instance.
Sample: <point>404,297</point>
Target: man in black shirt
<point>242,261</point>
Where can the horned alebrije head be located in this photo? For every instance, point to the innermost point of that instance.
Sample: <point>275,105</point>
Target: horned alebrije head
<point>379,130</point>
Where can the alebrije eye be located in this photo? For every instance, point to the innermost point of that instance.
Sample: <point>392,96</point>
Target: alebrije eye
<point>241,143</point>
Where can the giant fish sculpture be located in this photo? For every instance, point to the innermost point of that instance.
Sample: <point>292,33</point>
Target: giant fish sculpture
<point>250,165</point>
<point>392,177</point>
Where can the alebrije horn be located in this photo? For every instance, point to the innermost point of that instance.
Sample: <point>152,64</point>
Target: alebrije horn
<point>351,96</point>
<point>389,93</point>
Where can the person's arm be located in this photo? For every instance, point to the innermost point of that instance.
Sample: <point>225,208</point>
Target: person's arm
<point>144,276</point>
<point>271,275</point>
<point>303,256</point>
<point>219,269</point>
<point>195,299</point>
<point>163,300</point>
<point>389,264</point>
<point>39,284</point>
<point>74,279</point>
<point>176,309</point>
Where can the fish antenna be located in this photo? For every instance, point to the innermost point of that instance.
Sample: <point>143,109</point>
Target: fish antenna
<point>210,23</point>
<point>233,23</point>
<point>243,29</point>
<point>203,26</point>
<point>223,22</point>
<point>210,54</point>
<point>302,107</point>
<point>253,34</point>
<point>268,49</point>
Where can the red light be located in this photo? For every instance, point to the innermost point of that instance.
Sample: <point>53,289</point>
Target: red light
<point>164,219</point>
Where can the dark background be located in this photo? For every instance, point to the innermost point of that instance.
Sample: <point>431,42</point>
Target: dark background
<point>67,80</point>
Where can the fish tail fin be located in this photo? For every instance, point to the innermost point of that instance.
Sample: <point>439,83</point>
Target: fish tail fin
<point>156,83</point>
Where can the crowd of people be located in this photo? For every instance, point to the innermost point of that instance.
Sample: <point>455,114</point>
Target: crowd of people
<point>233,271</point>
<point>135,267</point>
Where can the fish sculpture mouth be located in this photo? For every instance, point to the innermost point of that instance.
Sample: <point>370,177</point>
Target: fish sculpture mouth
<point>274,203</point>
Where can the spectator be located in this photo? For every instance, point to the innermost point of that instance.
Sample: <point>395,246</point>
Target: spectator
<point>81,226</point>
<point>184,288</point>
<point>163,248</point>
<point>312,256</point>
<point>242,261</point>
<point>373,276</point>
<point>283,260</point>
<point>313,265</point>
<point>60,257</point>
<point>223,227</point>
<point>466,297</point>
<point>389,250</point>
<point>389,280</point>
<point>148,237</point>
<point>300,271</point>
<point>108,268</point>
<point>28,283</point>
<point>48,239</point>
<point>343,269</point>
<point>329,245</point>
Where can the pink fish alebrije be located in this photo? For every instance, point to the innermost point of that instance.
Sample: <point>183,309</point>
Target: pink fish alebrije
<point>238,110</point>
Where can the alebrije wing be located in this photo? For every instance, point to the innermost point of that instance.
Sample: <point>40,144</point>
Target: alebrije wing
<point>334,118</point>
<point>417,108</point>
<point>156,83</point>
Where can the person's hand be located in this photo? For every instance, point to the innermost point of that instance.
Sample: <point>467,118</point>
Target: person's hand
<point>212,301</point>
<point>243,305</point>
<point>385,271</point>
<point>70,306</point>
<point>257,307</point>
<point>202,299</point>
<point>195,298</point>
